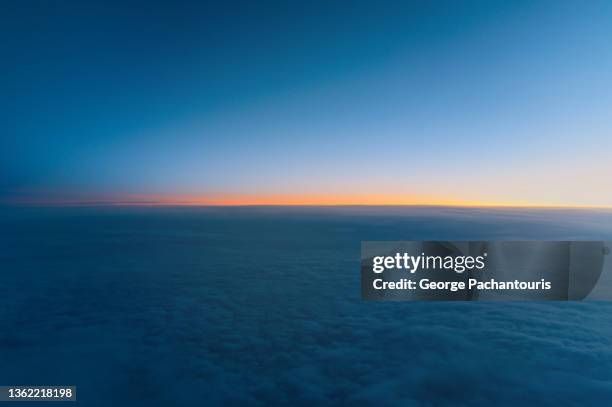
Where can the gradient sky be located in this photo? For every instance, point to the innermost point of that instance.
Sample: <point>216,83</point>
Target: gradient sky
<point>358,102</point>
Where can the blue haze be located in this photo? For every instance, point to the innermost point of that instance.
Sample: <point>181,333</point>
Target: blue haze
<point>260,306</point>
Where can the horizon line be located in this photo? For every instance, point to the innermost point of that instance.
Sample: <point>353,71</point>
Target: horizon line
<point>276,199</point>
<point>161,204</point>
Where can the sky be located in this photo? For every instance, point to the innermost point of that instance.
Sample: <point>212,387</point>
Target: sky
<point>473,102</point>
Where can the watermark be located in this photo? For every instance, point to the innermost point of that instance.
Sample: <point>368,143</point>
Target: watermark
<point>486,270</point>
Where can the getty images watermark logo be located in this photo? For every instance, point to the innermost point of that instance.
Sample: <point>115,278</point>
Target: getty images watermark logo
<point>486,270</point>
<point>412,264</point>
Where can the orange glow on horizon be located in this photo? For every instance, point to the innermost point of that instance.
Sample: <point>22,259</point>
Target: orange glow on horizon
<point>287,200</point>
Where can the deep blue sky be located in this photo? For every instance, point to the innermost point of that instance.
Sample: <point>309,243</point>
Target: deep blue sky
<point>470,101</point>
